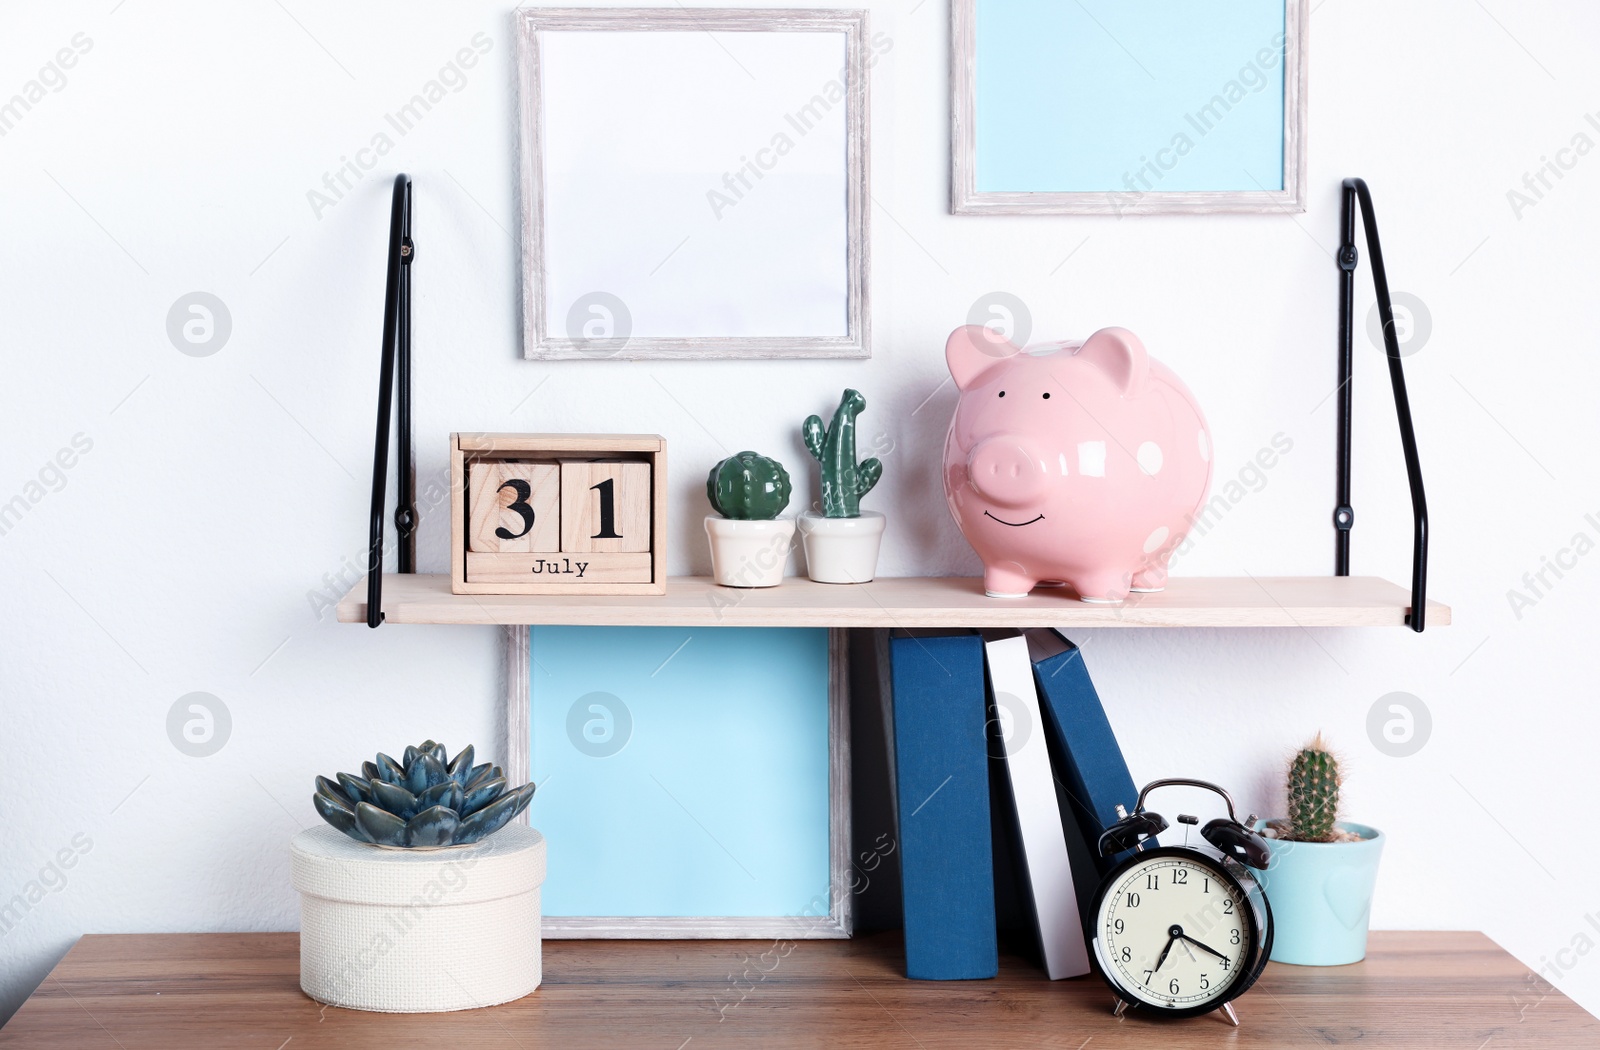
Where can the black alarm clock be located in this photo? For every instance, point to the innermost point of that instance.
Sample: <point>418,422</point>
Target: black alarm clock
<point>1178,931</point>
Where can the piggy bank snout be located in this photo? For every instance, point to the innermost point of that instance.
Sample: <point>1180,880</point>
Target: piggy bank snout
<point>1006,470</point>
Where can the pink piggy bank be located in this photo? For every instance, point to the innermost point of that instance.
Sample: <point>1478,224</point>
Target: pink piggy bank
<point>1076,464</point>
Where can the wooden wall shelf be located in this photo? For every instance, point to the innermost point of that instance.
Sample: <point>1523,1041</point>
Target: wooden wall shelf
<point>912,601</point>
<point>241,990</point>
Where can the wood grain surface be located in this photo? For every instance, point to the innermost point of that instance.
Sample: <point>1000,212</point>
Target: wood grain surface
<point>923,601</point>
<point>226,991</point>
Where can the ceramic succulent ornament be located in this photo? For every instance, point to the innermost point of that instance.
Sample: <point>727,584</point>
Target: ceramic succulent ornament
<point>844,481</point>
<point>423,801</point>
<point>748,487</point>
<point>749,542</point>
<point>842,542</point>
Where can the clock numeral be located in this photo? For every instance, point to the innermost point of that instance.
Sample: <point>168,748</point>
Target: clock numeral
<point>1204,982</point>
<point>1173,986</point>
<point>1118,926</point>
<point>1207,887</point>
<point>1127,954</point>
<point>1180,877</point>
<point>1133,900</point>
<point>1225,965</point>
<point>1147,975</point>
<point>1227,906</point>
<point>1152,882</point>
<point>1233,936</point>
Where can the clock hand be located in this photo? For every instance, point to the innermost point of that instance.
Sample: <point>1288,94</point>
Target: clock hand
<point>1173,935</point>
<point>1203,947</point>
<point>1163,957</point>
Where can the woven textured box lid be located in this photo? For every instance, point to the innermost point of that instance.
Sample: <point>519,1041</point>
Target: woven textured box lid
<point>329,864</point>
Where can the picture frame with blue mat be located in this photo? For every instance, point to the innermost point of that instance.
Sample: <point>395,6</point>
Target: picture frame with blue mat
<point>1103,107</point>
<point>693,782</point>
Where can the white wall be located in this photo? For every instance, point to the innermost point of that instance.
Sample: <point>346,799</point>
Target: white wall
<point>221,491</point>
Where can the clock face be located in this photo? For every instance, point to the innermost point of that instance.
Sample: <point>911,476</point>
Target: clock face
<point>1174,932</point>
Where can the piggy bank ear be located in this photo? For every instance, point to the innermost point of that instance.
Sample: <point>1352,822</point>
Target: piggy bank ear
<point>971,349</point>
<point>1120,355</point>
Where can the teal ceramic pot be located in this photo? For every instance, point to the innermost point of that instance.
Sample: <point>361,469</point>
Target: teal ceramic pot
<point>1321,896</point>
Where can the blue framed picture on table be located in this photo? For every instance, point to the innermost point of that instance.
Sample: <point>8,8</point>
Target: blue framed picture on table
<point>693,782</point>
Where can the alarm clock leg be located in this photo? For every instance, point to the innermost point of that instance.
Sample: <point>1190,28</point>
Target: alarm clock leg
<point>1227,1009</point>
<point>1122,1006</point>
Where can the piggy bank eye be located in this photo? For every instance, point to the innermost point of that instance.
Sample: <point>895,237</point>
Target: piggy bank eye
<point>1047,395</point>
<point>1002,393</point>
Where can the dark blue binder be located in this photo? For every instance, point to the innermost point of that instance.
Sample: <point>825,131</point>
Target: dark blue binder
<point>942,787</point>
<point>1088,761</point>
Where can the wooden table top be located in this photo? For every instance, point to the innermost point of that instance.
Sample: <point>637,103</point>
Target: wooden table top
<point>224,991</point>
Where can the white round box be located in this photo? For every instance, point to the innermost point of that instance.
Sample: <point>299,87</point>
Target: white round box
<point>416,931</point>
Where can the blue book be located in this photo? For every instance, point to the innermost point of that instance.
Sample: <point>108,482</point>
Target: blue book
<point>1089,765</point>
<point>942,788</point>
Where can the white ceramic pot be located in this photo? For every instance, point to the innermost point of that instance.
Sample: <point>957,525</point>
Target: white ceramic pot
<point>418,931</point>
<point>749,553</point>
<point>842,550</point>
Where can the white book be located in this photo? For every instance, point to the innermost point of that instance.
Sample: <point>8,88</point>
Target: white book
<point>1044,844</point>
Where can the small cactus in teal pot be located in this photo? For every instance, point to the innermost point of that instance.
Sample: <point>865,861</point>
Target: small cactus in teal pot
<point>844,481</point>
<point>1313,790</point>
<point>1323,871</point>
<point>748,487</point>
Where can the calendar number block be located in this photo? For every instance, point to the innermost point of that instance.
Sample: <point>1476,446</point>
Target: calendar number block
<point>514,508</point>
<point>605,507</point>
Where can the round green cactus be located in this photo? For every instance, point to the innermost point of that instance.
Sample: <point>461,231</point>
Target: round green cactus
<point>1314,780</point>
<point>748,487</point>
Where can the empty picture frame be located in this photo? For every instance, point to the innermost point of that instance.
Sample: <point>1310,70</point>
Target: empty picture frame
<point>692,782</point>
<point>1110,107</point>
<point>694,183</point>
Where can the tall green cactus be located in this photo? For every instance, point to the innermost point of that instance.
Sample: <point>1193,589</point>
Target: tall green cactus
<point>844,481</point>
<point>1314,780</point>
<point>749,487</point>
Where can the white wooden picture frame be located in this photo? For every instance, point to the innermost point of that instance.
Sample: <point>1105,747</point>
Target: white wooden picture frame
<point>837,923</point>
<point>719,210</point>
<point>1145,168</point>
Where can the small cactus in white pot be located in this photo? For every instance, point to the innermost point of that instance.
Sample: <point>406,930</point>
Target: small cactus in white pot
<point>749,542</point>
<point>1323,870</point>
<point>841,543</point>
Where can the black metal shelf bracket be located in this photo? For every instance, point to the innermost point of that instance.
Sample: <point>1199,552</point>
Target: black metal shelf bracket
<point>1355,192</point>
<point>396,369</point>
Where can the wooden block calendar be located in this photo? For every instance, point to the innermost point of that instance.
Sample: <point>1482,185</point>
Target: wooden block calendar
<point>558,513</point>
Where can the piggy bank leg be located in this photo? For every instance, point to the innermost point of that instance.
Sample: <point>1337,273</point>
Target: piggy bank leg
<point>1101,587</point>
<point>1151,578</point>
<point>1006,581</point>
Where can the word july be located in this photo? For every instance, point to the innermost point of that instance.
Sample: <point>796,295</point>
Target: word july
<point>560,567</point>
